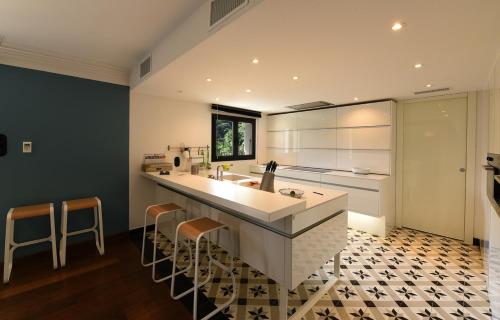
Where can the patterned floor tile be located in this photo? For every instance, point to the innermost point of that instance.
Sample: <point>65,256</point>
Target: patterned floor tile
<point>407,275</point>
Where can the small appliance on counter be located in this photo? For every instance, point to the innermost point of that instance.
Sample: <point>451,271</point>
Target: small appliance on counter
<point>155,162</point>
<point>267,183</point>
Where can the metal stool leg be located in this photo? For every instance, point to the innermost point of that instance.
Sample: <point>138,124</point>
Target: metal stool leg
<point>154,262</point>
<point>7,261</point>
<point>100,247</point>
<point>53,237</point>
<point>197,285</point>
<point>64,232</point>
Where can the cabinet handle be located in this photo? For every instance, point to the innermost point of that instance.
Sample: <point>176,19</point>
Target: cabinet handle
<point>462,170</point>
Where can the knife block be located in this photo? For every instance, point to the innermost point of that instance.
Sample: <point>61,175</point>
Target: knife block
<point>267,183</point>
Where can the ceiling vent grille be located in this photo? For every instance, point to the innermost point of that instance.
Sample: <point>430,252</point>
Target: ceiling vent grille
<point>431,91</point>
<point>311,105</point>
<point>145,67</point>
<point>222,9</point>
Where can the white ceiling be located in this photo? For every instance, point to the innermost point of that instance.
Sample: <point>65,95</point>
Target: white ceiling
<point>340,49</point>
<point>112,32</point>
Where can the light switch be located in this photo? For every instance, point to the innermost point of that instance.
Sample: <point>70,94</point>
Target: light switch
<point>27,146</point>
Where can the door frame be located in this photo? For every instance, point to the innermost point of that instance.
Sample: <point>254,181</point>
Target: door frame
<point>470,159</point>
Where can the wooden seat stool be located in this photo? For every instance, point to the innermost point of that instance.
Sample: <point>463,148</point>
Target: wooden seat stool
<point>194,230</point>
<point>156,212</point>
<point>10,245</point>
<point>97,228</point>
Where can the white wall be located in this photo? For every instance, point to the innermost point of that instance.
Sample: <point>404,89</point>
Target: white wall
<point>481,203</point>
<point>156,122</point>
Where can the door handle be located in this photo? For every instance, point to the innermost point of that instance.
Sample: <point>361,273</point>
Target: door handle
<point>462,170</point>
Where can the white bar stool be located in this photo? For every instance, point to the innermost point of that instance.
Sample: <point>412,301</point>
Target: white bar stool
<point>156,212</point>
<point>194,230</point>
<point>80,204</point>
<point>10,245</point>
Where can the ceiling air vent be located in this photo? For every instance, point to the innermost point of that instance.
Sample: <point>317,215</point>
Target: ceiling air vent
<point>311,105</point>
<point>145,67</point>
<point>431,91</point>
<point>222,9</point>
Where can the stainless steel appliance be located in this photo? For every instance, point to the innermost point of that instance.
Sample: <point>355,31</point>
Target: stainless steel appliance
<point>493,247</point>
<point>493,187</point>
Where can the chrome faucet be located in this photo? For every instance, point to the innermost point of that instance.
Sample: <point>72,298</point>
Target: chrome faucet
<point>221,177</point>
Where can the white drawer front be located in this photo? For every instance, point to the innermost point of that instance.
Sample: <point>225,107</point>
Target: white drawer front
<point>325,118</point>
<point>364,138</point>
<point>361,201</point>
<point>324,138</point>
<point>303,175</point>
<point>303,182</point>
<point>371,114</point>
<point>351,182</point>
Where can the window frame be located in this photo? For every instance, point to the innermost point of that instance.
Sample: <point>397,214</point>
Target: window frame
<point>235,120</point>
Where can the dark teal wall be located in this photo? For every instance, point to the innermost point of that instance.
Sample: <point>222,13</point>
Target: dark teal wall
<point>80,134</point>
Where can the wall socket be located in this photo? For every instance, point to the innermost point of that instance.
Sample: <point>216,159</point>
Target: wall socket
<point>27,146</point>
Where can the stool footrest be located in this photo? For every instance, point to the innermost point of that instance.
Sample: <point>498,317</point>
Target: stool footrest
<point>28,243</point>
<point>74,233</point>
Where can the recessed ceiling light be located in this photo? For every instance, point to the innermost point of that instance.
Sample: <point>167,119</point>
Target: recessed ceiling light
<point>255,60</point>
<point>295,78</point>
<point>217,99</point>
<point>428,85</point>
<point>397,26</point>
<point>248,90</point>
<point>208,79</point>
<point>418,66</point>
<point>356,99</point>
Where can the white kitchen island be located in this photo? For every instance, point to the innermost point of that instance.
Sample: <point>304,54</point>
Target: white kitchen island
<point>285,238</point>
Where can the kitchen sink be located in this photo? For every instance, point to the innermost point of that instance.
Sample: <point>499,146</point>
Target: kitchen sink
<point>234,177</point>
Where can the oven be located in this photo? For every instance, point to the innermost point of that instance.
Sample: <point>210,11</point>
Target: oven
<point>493,244</point>
<point>493,187</point>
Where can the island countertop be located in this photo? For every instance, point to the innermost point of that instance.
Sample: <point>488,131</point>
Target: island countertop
<point>265,206</point>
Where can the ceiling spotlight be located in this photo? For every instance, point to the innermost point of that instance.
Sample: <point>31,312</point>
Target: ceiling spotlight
<point>428,85</point>
<point>418,66</point>
<point>217,99</point>
<point>397,26</point>
<point>255,61</point>
<point>295,78</point>
<point>208,79</point>
<point>356,99</point>
<point>248,90</point>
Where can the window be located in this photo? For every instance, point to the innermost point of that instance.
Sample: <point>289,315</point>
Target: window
<point>233,138</point>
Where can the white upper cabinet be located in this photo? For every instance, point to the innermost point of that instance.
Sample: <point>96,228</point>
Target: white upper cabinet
<point>287,121</point>
<point>319,138</point>
<point>317,119</point>
<point>371,114</point>
<point>364,138</point>
<point>282,139</point>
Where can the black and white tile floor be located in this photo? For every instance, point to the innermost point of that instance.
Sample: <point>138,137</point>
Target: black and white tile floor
<point>407,275</point>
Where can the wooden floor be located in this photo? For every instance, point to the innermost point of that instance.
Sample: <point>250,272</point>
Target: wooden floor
<point>113,286</point>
